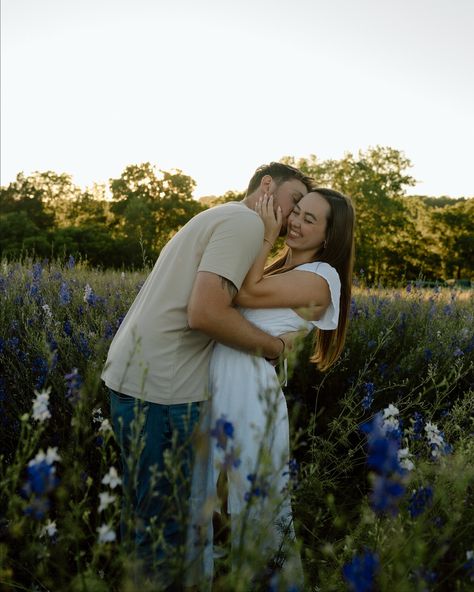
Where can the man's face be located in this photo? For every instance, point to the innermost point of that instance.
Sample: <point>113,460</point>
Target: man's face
<point>286,196</point>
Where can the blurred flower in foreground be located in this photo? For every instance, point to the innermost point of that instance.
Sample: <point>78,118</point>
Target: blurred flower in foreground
<point>105,500</point>
<point>361,571</point>
<point>383,459</point>
<point>106,534</point>
<point>112,479</point>
<point>41,480</point>
<point>222,431</point>
<point>40,405</point>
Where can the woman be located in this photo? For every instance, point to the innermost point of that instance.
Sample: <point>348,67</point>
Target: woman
<point>308,287</point>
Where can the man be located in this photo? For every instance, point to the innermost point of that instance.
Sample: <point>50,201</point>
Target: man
<point>158,360</point>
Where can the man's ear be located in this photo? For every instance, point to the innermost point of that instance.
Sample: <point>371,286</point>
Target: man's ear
<point>265,184</point>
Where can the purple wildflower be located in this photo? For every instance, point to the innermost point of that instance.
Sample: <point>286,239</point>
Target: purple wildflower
<point>74,383</point>
<point>222,431</point>
<point>420,499</point>
<point>369,395</point>
<point>64,294</point>
<point>361,571</point>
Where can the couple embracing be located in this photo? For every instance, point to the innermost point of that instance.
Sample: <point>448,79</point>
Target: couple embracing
<point>191,371</point>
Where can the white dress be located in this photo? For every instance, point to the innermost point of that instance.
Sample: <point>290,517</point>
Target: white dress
<point>247,420</point>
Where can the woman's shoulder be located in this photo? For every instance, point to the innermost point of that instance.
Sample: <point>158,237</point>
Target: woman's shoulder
<point>320,268</point>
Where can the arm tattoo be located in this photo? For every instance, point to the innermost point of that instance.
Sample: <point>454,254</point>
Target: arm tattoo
<point>231,289</point>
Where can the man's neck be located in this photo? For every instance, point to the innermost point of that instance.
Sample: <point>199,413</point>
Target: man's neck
<point>251,200</point>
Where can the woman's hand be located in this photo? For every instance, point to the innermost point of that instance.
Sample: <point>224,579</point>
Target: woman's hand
<point>272,220</point>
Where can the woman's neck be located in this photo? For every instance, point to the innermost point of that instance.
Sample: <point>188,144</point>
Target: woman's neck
<point>298,258</point>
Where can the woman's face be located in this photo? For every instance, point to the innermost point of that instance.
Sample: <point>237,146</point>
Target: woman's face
<point>307,223</point>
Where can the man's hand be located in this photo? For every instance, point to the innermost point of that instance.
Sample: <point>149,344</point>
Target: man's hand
<point>293,340</point>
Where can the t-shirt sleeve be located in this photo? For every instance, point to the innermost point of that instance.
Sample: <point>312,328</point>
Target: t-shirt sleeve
<point>330,318</point>
<point>233,246</point>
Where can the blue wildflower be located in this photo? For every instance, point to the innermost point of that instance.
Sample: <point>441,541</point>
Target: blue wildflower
<point>74,383</point>
<point>71,262</point>
<point>458,352</point>
<point>293,468</point>
<point>41,480</point>
<point>64,294</point>
<point>37,272</point>
<point>420,499</point>
<point>40,370</point>
<point>231,460</point>
<point>361,571</point>
<point>369,395</point>
<point>428,354</point>
<point>386,494</point>
<point>383,458</point>
<point>259,487</point>
<point>67,327</point>
<point>83,345</point>
<point>222,431</point>
<point>382,447</point>
<point>417,425</point>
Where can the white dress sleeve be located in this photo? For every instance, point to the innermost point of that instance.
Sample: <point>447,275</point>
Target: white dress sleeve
<point>330,318</point>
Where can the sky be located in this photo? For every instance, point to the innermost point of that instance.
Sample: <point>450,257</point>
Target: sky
<point>218,87</point>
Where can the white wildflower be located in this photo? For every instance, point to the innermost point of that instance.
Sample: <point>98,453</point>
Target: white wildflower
<point>105,426</point>
<point>404,458</point>
<point>50,457</point>
<point>390,420</point>
<point>49,529</point>
<point>433,434</point>
<point>435,439</point>
<point>40,405</point>
<point>105,500</point>
<point>47,311</point>
<point>87,293</point>
<point>123,275</point>
<point>97,416</point>
<point>469,554</point>
<point>106,534</point>
<point>112,479</point>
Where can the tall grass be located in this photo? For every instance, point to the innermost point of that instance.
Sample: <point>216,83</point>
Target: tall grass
<point>362,524</point>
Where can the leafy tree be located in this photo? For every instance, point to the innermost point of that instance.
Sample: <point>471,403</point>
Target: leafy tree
<point>454,227</point>
<point>376,181</point>
<point>150,206</point>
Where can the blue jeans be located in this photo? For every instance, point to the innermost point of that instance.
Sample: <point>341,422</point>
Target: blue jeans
<point>155,492</point>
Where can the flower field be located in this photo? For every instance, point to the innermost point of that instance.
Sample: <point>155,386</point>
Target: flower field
<point>383,443</point>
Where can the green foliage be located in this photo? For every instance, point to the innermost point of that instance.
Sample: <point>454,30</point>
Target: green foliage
<point>414,346</point>
<point>152,206</point>
<point>45,214</point>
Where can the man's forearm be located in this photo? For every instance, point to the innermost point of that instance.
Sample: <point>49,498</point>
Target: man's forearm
<point>230,328</point>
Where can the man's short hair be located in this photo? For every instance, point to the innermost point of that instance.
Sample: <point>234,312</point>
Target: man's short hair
<point>280,173</point>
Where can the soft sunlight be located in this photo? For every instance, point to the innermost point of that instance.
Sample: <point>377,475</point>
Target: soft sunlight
<point>216,89</point>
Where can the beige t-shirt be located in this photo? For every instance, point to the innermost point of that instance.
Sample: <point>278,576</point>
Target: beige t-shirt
<point>154,355</point>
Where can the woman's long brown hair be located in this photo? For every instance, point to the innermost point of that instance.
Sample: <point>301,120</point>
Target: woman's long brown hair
<point>338,252</point>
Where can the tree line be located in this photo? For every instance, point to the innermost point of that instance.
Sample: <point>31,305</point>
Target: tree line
<point>46,215</point>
